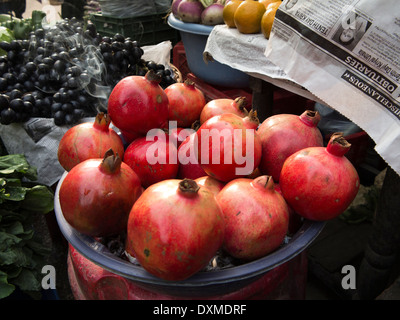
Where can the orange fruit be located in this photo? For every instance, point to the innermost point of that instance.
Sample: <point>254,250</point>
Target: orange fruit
<point>248,16</point>
<point>268,18</point>
<point>229,11</point>
<point>266,3</point>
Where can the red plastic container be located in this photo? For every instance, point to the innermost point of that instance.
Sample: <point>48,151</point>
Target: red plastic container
<point>283,101</point>
<point>179,59</point>
<point>89,281</point>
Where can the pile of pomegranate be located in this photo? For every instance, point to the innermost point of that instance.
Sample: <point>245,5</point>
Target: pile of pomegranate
<point>186,179</point>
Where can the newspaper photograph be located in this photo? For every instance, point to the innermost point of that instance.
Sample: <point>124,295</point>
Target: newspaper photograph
<point>347,53</point>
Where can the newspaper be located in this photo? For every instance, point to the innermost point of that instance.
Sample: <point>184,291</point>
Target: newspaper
<point>245,52</point>
<point>347,53</point>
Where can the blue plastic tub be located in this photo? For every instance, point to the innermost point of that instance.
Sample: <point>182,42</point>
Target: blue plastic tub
<point>194,37</point>
<point>287,266</point>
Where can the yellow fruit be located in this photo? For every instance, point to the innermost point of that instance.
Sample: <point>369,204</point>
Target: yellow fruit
<point>266,3</point>
<point>229,11</point>
<point>248,16</point>
<point>268,19</point>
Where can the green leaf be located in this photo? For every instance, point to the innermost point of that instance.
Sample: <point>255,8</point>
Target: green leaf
<point>5,35</point>
<point>7,240</point>
<point>27,234</point>
<point>15,182</point>
<point>16,165</point>
<point>27,281</point>
<point>37,16</point>
<point>9,216</point>
<point>13,272</point>
<point>38,199</point>
<point>15,193</point>
<point>21,253</point>
<point>15,228</point>
<point>5,288</point>
<point>15,256</point>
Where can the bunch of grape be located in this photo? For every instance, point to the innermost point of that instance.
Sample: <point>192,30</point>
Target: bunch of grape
<point>66,72</point>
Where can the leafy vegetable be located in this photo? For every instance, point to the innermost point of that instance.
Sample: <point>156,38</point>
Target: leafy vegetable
<point>5,35</point>
<point>22,254</point>
<point>16,166</point>
<point>37,18</point>
<point>15,28</point>
<point>22,29</point>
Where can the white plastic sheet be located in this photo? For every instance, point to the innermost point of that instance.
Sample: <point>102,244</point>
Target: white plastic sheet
<point>245,52</point>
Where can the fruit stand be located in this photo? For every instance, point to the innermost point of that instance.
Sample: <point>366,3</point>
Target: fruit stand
<point>94,108</point>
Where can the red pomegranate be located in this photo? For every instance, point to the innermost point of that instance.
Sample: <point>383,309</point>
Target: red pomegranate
<point>320,183</point>
<point>282,135</point>
<point>185,102</point>
<point>256,173</point>
<point>256,217</point>
<point>209,182</point>
<point>189,167</point>
<point>216,107</point>
<point>137,104</point>
<point>229,146</point>
<point>87,141</point>
<point>153,158</point>
<point>177,135</point>
<point>174,229</point>
<point>295,220</point>
<point>97,195</point>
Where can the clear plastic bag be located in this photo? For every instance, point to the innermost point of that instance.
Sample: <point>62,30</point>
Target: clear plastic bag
<point>163,6</point>
<point>159,53</point>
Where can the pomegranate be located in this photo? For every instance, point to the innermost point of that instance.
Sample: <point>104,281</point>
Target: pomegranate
<point>185,102</point>
<point>256,173</point>
<point>153,158</point>
<point>256,217</point>
<point>88,140</point>
<point>295,220</point>
<point>189,167</point>
<point>97,195</point>
<point>228,146</point>
<point>282,135</point>
<point>177,135</point>
<point>174,229</point>
<point>224,105</point>
<point>209,182</point>
<point>138,104</point>
<point>320,183</point>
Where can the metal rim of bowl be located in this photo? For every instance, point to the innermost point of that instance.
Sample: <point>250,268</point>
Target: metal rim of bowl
<point>101,256</point>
